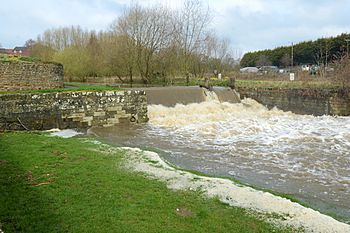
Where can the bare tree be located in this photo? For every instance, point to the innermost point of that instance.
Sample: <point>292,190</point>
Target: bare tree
<point>219,52</point>
<point>61,38</point>
<point>94,53</point>
<point>150,42</point>
<point>45,53</point>
<point>119,56</point>
<point>342,71</point>
<point>191,28</point>
<point>322,57</point>
<point>285,60</point>
<point>149,30</point>
<point>29,43</point>
<point>263,60</point>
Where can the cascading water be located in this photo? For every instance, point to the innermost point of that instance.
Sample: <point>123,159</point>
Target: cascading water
<point>305,156</point>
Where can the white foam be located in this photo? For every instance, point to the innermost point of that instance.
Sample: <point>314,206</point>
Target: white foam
<point>66,133</point>
<point>235,195</point>
<point>313,148</point>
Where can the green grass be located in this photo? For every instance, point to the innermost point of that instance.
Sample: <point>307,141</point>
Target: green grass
<point>283,84</point>
<point>11,58</point>
<point>72,87</point>
<point>244,83</point>
<point>90,86</point>
<point>287,84</point>
<point>50,184</point>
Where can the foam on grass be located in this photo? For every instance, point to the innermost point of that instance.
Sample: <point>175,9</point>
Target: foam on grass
<point>290,213</point>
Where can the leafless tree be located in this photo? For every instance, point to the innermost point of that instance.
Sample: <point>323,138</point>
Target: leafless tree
<point>191,28</point>
<point>285,60</point>
<point>322,57</point>
<point>149,42</point>
<point>342,71</point>
<point>29,43</point>
<point>63,37</point>
<point>149,30</point>
<point>219,52</point>
<point>45,53</point>
<point>263,60</point>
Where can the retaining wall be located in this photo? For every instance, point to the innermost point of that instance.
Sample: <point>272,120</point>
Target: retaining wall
<point>71,109</point>
<point>30,75</point>
<point>302,101</point>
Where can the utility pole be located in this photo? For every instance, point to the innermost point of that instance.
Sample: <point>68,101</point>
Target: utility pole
<point>347,47</point>
<point>326,58</point>
<point>292,57</point>
<point>291,74</point>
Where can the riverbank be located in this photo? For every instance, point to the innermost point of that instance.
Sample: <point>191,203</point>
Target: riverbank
<point>51,184</point>
<point>276,209</point>
<point>309,101</point>
<point>68,87</point>
<point>241,81</point>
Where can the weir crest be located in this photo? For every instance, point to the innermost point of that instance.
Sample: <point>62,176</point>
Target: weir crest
<point>170,96</point>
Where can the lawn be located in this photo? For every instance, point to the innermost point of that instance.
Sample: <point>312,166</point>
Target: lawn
<point>309,84</point>
<point>51,184</point>
<point>69,87</point>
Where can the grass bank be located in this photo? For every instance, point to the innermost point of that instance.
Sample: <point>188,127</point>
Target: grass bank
<point>11,58</point>
<point>69,87</point>
<point>51,184</point>
<point>283,84</point>
<point>287,84</point>
<point>243,81</point>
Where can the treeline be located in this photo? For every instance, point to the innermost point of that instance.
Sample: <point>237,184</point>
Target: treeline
<point>320,52</point>
<point>147,42</point>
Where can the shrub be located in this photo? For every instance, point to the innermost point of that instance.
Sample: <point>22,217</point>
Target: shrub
<point>342,71</point>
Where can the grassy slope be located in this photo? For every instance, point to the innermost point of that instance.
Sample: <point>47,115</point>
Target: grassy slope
<point>73,87</point>
<point>50,184</point>
<point>287,84</point>
<point>255,83</point>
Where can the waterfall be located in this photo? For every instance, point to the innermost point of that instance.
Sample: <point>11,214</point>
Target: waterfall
<point>170,96</point>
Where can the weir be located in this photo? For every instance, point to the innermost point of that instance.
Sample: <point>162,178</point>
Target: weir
<point>304,156</point>
<point>170,96</point>
<point>225,94</point>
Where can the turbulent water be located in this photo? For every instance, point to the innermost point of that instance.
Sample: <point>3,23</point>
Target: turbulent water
<point>305,156</point>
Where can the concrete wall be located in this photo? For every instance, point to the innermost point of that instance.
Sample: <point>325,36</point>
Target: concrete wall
<point>30,76</point>
<point>170,96</point>
<point>71,109</point>
<point>302,101</point>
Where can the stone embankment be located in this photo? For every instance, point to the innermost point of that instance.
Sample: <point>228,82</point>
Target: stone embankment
<point>302,101</point>
<point>71,109</point>
<point>19,75</point>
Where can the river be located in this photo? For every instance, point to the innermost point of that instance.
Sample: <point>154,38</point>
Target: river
<point>303,156</point>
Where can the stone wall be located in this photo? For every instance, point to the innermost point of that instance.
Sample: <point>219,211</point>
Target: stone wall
<point>302,101</point>
<point>30,75</point>
<point>71,109</point>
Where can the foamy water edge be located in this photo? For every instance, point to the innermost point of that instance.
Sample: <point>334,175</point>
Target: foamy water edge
<point>294,214</point>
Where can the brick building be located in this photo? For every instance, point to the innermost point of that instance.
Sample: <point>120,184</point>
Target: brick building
<point>17,51</point>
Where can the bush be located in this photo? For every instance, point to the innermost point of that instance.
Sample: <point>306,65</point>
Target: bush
<point>342,71</point>
<point>29,59</point>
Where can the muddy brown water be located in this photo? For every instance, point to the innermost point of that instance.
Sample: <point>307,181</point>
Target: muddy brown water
<point>301,155</point>
<point>170,96</point>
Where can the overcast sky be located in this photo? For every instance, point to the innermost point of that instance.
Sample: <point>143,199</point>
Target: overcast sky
<point>248,24</point>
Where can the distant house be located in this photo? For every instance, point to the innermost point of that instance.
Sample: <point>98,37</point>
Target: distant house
<point>17,51</point>
<point>306,67</point>
<point>21,51</point>
<point>6,51</point>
